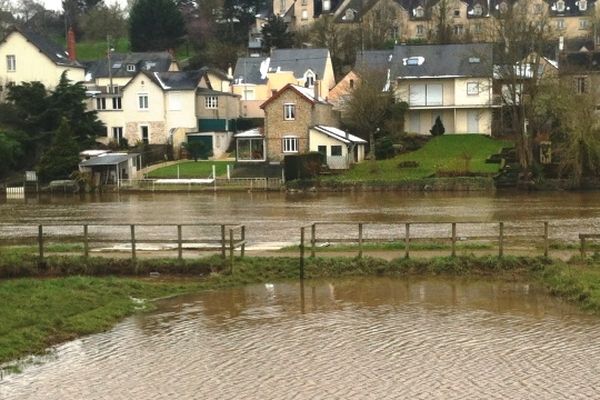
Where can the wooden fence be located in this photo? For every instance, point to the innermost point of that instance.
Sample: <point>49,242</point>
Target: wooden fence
<point>224,238</point>
<point>357,237</point>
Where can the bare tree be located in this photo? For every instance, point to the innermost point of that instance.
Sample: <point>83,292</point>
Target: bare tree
<point>523,35</point>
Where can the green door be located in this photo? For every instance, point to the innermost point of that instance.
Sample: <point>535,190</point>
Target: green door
<point>202,144</point>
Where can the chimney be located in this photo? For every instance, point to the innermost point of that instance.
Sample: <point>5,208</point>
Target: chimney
<point>316,87</point>
<point>229,72</point>
<point>71,44</point>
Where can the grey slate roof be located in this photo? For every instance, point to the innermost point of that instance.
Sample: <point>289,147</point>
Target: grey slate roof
<point>299,61</point>
<point>150,62</point>
<point>475,59</point>
<point>181,80</point>
<point>53,51</point>
<point>109,159</point>
<point>247,70</point>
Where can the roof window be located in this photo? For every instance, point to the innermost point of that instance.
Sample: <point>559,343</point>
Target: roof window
<point>413,61</point>
<point>474,60</point>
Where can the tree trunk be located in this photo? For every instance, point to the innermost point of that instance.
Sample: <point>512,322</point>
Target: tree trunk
<point>371,145</point>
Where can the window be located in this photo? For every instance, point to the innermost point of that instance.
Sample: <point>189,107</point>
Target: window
<point>419,12</point>
<point>503,7</point>
<point>560,6</point>
<point>580,85</point>
<point>117,132</point>
<point>478,10</point>
<point>582,5</point>
<point>289,112</point>
<point>423,95</point>
<point>282,7</point>
<point>349,15</point>
<point>472,88</point>
<point>116,103</point>
<point>458,30</point>
<point>304,15</point>
<point>115,89</point>
<point>336,150</point>
<point>309,81</point>
<point>395,32</point>
<point>11,63</point>
<point>456,13</point>
<point>420,30</point>
<point>583,24</point>
<point>304,2</point>
<point>560,24</point>
<point>101,103</point>
<point>250,149</point>
<point>351,83</point>
<point>211,102</point>
<point>143,101</point>
<point>326,5</point>
<point>290,144</point>
<point>477,28</point>
<point>174,102</point>
<point>145,135</point>
<point>249,94</point>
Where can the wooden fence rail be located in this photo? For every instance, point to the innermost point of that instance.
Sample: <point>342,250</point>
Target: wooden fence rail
<point>500,237</point>
<point>219,243</point>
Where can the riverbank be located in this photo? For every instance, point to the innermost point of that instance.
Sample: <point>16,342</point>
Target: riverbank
<point>37,313</point>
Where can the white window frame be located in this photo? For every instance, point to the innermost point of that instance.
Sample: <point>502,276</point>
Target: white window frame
<point>101,103</point>
<point>419,12</point>
<point>304,15</point>
<point>117,103</point>
<point>420,30</point>
<point>143,102</point>
<point>289,111</point>
<point>561,6</point>
<point>580,85</point>
<point>478,10</point>
<point>336,146</point>
<point>142,133</point>
<point>11,63</point>
<point>289,144</point>
<point>130,67</point>
<point>560,24</point>
<point>582,4</point>
<point>211,102</point>
<point>584,23</point>
<point>117,132</point>
<point>309,78</point>
<point>472,88</point>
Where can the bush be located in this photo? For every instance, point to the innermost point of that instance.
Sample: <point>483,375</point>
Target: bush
<point>384,148</point>
<point>438,127</point>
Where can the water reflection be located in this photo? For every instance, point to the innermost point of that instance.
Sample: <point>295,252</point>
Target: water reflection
<point>352,338</point>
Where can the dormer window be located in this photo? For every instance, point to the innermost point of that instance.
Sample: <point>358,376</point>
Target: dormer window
<point>582,4</point>
<point>503,7</point>
<point>349,15</point>
<point>309,79</point>
<point>419,12</point>
<point>478,10</point>
<point>130,67</point>
<point>326,5</point>
<point>560,6</point>
<point>456,13</point>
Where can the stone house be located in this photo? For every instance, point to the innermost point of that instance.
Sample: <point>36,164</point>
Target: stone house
<point>298,120</point>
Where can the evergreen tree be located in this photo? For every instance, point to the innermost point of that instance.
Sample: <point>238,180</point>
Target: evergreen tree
<point>438,127</point>
<point>155,25</point>
<point>62,158</point>
<point>275,34</point>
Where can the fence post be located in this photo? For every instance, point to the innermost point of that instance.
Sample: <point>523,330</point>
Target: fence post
<point>133,243</point>
<point>313,239</point>
<point>582,246</point>
<point>86,249</point>
<point>360,240</point>
<point>546,244</point>
<point>407,241</point>
<point>231,250</point>
<point>179,243</point>
<point>41,242</point>
<point>222,241</point>
<point>501,240</point>
<point>243,238</point>
<point>228,172</point>
<point>454,239</point>
<point>302,253</point>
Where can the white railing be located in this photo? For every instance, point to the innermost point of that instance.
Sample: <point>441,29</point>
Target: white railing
<point>201,184</point>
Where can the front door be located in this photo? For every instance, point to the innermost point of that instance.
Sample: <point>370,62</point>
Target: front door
<point>472,121</point>
<point>323,151</point>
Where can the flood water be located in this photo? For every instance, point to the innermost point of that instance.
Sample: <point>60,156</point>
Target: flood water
<point>278,216</point>
<point>356,338</point>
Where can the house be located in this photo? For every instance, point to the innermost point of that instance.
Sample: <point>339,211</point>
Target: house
<point>171,107</point>
<point>256,79</point>
<point>111,168</point>
<point>297,121</point>
<point>339,95</point>
<point>301,14</point>
<point>453,82</point>
<point>28,56</point>
<point>582,70</point>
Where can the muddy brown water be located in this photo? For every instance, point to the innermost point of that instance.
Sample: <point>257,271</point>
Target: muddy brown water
<point>362,338</point>
<point>272,217</point>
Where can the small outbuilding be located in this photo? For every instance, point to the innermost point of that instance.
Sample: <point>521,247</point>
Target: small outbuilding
<point>339,148</point>
<point>111,168</point>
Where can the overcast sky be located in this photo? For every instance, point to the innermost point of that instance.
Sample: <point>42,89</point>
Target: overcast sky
<point>57,4</point>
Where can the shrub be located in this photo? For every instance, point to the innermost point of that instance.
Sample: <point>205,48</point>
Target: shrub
<point>438,127</point>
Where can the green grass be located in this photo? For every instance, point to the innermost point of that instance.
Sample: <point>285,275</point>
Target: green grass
<point>191,169</point>
<point>398,245</point>
<point>88,50</point>
<point>444,155</point>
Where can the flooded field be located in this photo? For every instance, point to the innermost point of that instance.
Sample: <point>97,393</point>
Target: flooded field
<point>275,217</point>
<point>341,339</point>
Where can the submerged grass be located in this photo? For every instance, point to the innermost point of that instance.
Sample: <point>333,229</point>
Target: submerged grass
<point>398,245</point>
<point>36,313</point>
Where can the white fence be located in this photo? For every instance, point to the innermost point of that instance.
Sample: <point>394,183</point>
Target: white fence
<point>156,185</point>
